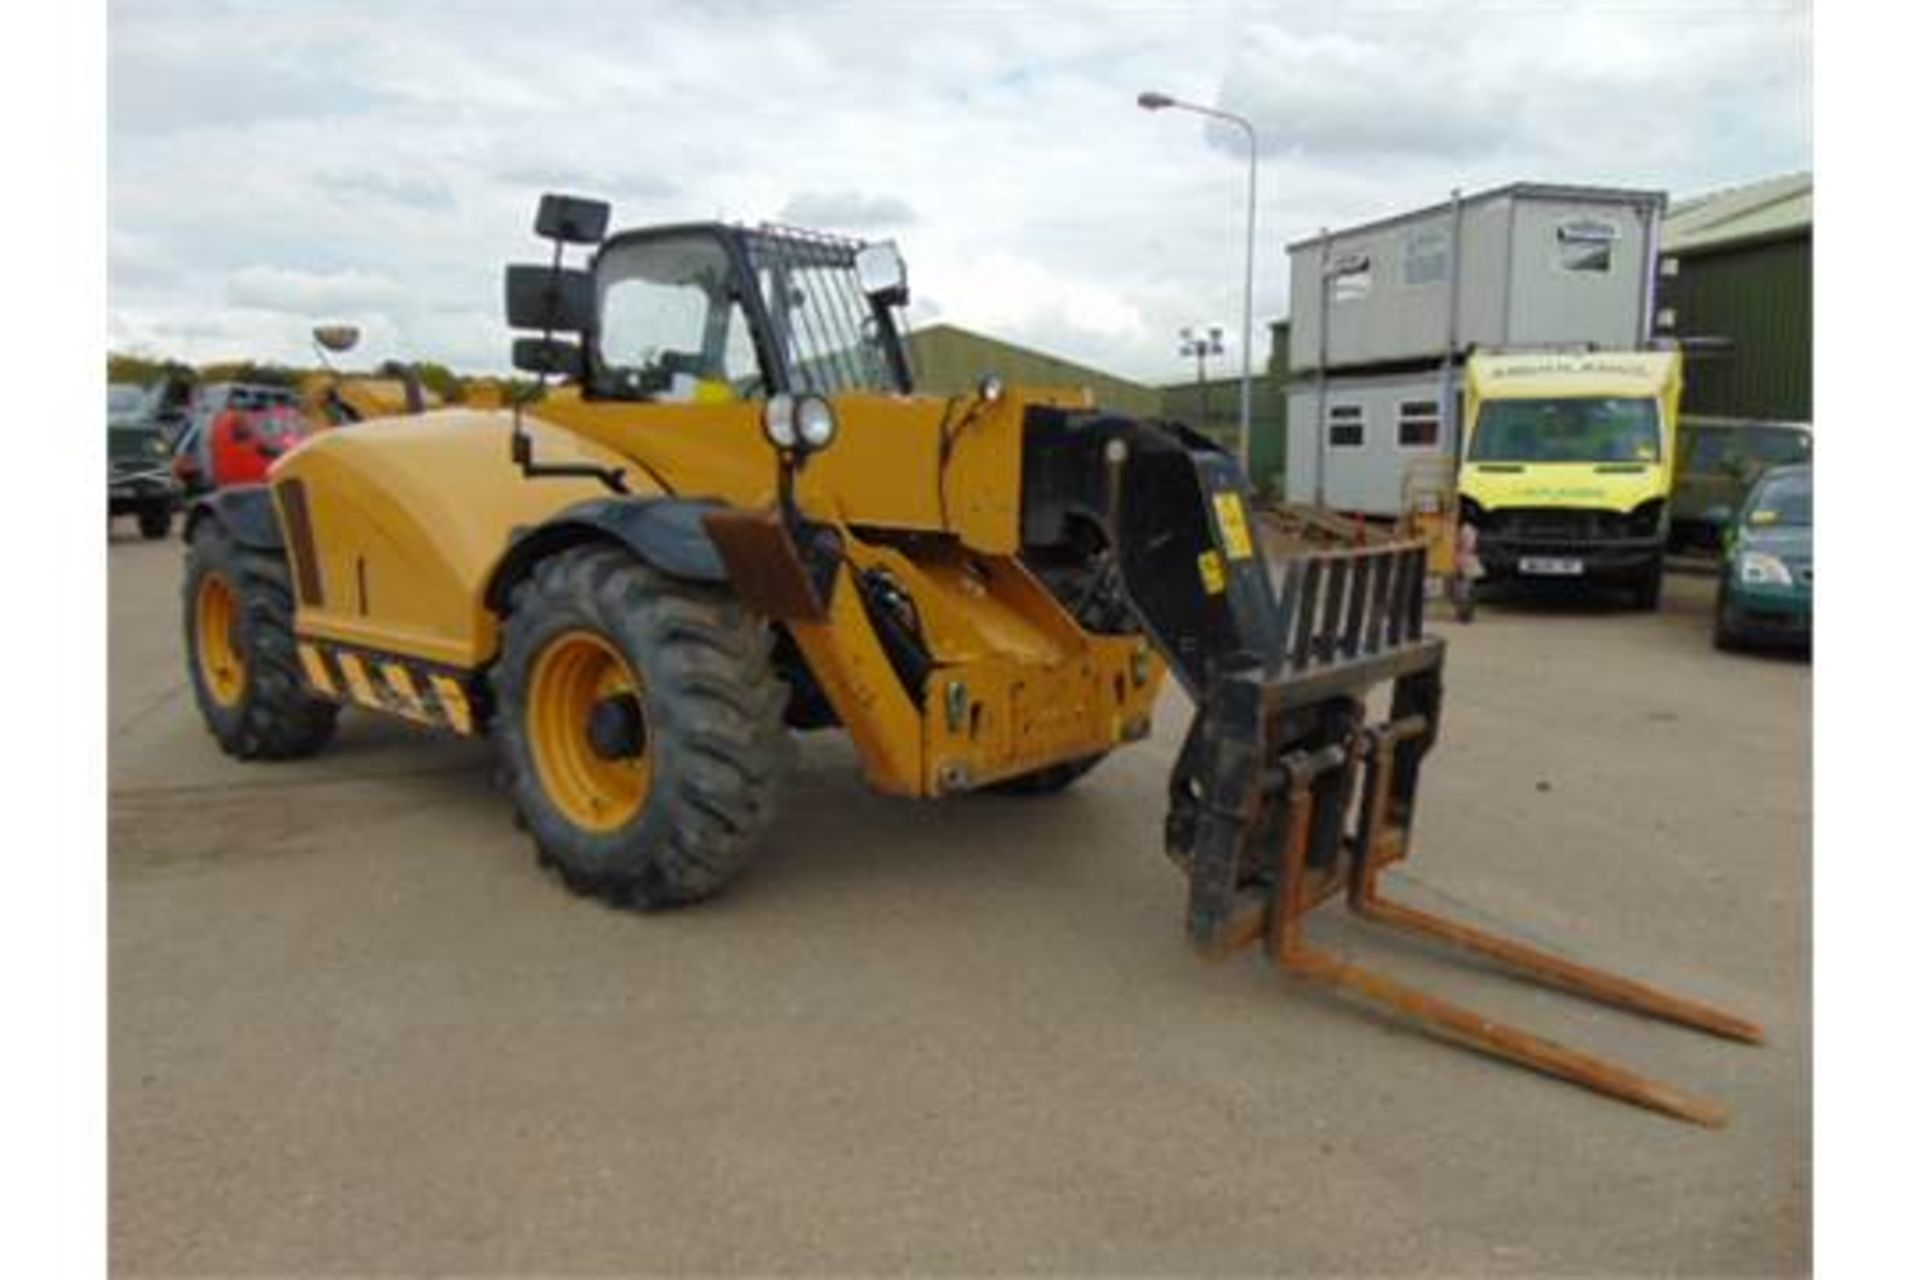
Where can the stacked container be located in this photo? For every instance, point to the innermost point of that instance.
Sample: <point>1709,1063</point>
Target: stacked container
<point>1385,312</point>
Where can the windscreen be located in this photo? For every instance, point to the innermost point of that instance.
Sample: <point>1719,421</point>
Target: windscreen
<point>1785,499</point>
<point>671,324</point>
<point>823,323</point>
<point>1570,429</point>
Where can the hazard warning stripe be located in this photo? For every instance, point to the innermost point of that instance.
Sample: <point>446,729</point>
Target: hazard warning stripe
<point>356,673</point>
<point>317,673</point>
<point>402,686</point>
<point>453,699</point>
<point>384,682</point>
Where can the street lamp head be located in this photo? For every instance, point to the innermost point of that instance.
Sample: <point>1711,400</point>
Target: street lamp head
<point>1152,101</point>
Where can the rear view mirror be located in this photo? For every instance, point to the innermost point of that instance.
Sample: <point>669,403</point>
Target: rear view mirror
<point>572,219</point>
<point>550,299</point>
<point>337,338</point>
<point>551,356</point>
<point>883,273</point>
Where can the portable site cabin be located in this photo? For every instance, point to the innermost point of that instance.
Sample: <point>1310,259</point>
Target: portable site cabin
<point>1384,312</point>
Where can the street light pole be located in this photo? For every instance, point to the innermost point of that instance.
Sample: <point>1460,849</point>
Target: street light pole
<point>1151,101</point>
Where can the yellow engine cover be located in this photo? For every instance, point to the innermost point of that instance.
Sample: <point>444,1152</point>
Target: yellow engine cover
<point>408,517</point>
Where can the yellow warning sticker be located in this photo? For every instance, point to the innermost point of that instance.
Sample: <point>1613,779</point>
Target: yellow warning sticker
<point>1213,574</point>
<point>1233,525</point>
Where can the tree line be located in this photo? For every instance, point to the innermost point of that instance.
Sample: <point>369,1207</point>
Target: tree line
<point>451,387</point>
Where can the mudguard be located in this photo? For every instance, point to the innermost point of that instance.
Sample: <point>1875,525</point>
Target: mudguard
<point>667,533</point>
<point>245,511</point>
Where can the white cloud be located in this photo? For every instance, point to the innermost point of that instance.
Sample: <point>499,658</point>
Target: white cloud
<point>309,293</point>
<point>270,164</point>
<point>830,210</point>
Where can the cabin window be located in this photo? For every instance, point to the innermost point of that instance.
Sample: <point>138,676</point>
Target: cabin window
<point>1426,261</point>
<point>1419,424</point>
<point>1346,426</point>
<point>1586,245</point>
<point>1350,277</point>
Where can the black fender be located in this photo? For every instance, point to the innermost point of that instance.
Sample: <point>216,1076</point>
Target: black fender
<point>667,533</point>
<point>245,512</point>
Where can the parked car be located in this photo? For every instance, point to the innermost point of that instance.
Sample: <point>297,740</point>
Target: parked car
<point>1766,576</point>
<point>138,481</point>
<point>234,432</point>
<point>1719,459</point>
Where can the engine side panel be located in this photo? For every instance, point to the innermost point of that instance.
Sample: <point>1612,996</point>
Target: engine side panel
<point>405,520</point>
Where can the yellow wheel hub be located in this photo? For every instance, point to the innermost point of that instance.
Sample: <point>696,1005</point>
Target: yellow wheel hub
<point>587,730</point>
<point>216,616</point>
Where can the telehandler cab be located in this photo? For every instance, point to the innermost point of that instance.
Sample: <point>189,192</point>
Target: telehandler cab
<point>734,518</point>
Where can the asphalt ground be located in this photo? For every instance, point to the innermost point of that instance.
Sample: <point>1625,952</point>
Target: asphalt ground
<point>354,1028</point>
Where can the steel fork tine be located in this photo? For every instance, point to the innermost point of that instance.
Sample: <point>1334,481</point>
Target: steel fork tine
<point>1504,1041</point>
<point>1578,978</point>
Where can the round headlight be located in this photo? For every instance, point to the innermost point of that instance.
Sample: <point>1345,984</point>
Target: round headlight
<point>814,419</point>
<point>776,420</point>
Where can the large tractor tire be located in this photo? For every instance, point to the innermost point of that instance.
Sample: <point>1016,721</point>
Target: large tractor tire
<point>641,726</point>
<point>241,653</point>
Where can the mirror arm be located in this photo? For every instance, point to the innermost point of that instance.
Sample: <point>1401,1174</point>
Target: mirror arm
<point>521,446</point>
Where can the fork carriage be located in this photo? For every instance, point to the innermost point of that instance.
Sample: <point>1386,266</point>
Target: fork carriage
<point>1287,796</point>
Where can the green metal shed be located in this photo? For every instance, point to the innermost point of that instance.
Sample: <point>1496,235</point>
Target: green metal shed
<point>948,360</point>
<point>1267,460</point>
<point>1737,267</point>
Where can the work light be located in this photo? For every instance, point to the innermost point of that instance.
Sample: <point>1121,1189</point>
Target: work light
<point>814,418</point>
<point>776,420</point>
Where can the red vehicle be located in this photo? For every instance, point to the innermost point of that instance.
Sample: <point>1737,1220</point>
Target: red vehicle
<point>235,435</point>
<point>246,442</point>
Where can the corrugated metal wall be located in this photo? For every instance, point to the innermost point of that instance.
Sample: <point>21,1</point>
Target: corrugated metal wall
<point>1268,461</point>
<point>948,360</point>
<point>1760,296</point>
<point>1181,402</point>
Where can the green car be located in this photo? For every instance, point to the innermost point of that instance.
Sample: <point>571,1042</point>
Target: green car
<point>1766,578</point>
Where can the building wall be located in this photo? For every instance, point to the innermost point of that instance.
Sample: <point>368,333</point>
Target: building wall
<point>1550,304</point>
<point>1760,297</point>
<point>1515,288</point>
<point>948,360</point>
<point>1367,477</point>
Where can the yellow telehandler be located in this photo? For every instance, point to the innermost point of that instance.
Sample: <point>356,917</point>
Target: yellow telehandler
<point>731,518</point>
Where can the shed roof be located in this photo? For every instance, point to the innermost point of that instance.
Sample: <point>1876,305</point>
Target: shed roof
<point>1765,210</point>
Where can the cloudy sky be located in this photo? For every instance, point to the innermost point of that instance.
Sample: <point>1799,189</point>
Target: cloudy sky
<point>271,165</point>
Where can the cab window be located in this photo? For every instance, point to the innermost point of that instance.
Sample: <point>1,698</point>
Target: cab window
<point>671,326</point>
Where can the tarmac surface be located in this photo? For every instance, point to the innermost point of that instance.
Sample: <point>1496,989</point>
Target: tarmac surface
<point>354,1028</point>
